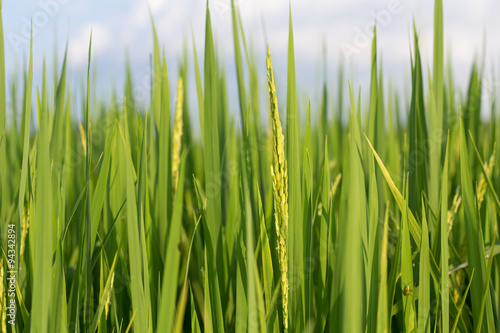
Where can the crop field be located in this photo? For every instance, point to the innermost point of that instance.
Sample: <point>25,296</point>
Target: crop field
<point>374,214</point>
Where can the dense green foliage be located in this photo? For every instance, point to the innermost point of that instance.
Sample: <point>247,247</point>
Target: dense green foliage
<point>355,222</point>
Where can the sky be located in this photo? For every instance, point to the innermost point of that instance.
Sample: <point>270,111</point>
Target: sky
<point>123,27</point>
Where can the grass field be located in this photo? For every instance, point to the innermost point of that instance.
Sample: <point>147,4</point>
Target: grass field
<point>349,221</point>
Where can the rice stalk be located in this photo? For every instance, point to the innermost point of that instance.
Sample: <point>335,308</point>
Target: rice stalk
<point>280,188</point>
<point>108,299</point>
<point>176,148</point>
<point>453,211</point>
<point>24,229</point>
<point>483,185</point>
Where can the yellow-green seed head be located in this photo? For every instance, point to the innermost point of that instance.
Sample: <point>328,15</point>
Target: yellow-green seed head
<point>108,299</point>
<point>483,185</point>
<point>24,229</point>
<point>176,147</point>
<point>280,189</point>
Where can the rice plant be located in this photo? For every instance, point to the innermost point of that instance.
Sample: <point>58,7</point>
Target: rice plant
<point>348,221</point>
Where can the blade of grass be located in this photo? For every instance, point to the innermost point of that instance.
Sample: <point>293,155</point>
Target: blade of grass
<point>407,271</point>
<point>166,313</point>
<point>415,229</point>
<point>268,274</point>
<point>180,314</point>
<point>239,66</point>
<point>382,309</point>
<point>326,211</point>
<point>199,90</point>
<point>26,137</point>
<point>88,304</point>
<point>486,285</point>
<point>100,189</point>
<point>212,174</point>
<point>241,320</point>
<point>393,279</point>
<point>445,255</point>
<point>156,97</point>
<point>140,323</point>
<point>372,272</point>
<point>352,246</point>
<point>42,231</point>
<point>57,138</point>
<point>475,247</point>
<point>418,153</point>
<point>104,296</point>
<point>165,175</point>
<point>251,287</point>
<point>424,308</point>
<point>462,303</point>
<point>437,112</point>
<point>296,225</point>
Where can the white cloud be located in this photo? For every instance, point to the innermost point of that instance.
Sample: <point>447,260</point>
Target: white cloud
<point>314,21</point>
<point>79,46</point>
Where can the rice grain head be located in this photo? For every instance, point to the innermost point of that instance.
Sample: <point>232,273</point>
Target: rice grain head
<point>453,211</point>
<point>108,299</point>
<point>24,229</point>
<point>83,137</point>
<point>335,186</point>
<point>483,185</point>
<point>176,149</point>
<point>280,189</point>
